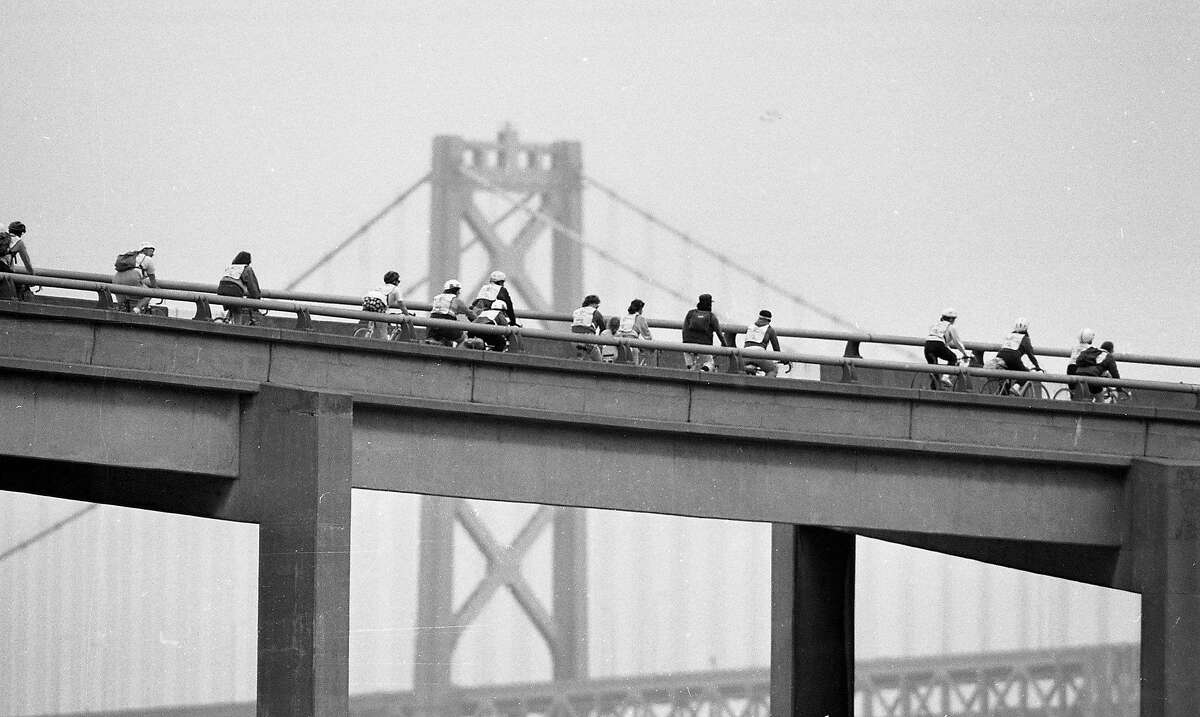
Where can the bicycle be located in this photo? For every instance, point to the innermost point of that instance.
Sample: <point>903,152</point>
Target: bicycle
<point>933,381</point>
<point>1079,392</point>
<point>366,329</point>
<point>252,317</point>
<point>1029,388</point>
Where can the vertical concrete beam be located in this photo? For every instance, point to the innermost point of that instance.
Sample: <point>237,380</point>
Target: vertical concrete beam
<point>295,483</point>
<point>812,622</point>
<point>1164,532</point>
<point>566,251</point>
<point>435,606</point>
<point>447,202</point>
<point>570,594</point>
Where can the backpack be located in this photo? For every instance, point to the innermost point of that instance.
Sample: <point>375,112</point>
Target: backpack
<point>1091,356</point>
<point>126,261</point>
<point>6,243</point>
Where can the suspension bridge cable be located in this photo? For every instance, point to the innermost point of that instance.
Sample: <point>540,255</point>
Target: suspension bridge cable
<point>573,235</point>
<point>48,531</point>
<point>357,233</point>
<point>723,258</point>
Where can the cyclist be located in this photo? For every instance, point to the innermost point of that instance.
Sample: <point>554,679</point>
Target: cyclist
<point>1098,362</point>
<point>942,336</point>
<point>239,280</point>
<point>140,274</point>
<point>379,300</point>
<point>494,291</point>
<point>11,247</point>
<point>699,325</point>
<point>495,315</point>
<point>587,319</point>
<point>759,336</point>
<point>633,326</point>
<point>1015,346</point>
<point>447,305</point>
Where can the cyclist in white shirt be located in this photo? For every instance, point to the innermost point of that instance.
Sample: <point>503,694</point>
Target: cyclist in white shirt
<point>759,336</point>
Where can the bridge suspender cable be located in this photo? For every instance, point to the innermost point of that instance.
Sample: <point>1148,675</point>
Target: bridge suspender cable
<point>47,531</point>
<point>724,259</point>
<point>357,233</point>
<point>571,234</point>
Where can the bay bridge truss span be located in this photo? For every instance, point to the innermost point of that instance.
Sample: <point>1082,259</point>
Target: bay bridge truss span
<point>283,423</point>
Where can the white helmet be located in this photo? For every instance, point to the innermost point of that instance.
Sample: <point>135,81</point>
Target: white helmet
<point>451,284</point>
<point>1021,324</point>
<point>147,246</point>
<point>1087,336</point>
<point>499,304</point>
<point>949,314</point>
<point>497,277</point>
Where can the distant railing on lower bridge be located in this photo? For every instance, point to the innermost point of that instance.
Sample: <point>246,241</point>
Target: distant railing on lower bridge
<point>1093,681</point>
<point>1079,682</point>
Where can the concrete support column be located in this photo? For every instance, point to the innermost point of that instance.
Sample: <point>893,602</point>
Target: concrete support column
<point>295,483</point>
<point>435,607</point>
<point>812,622</point>
<point>1165,531</point>
<point>570,594</point>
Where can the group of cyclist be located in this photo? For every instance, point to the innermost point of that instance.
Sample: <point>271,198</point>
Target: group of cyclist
<point>1016,347</point>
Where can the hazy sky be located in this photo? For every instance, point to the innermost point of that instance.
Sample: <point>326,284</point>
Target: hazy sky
<point>1037,159</point>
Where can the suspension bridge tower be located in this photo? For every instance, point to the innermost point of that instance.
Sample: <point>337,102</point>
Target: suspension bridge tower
<point>542,181</point>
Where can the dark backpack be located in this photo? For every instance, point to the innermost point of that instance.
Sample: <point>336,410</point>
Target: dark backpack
<point>126,261</point>
<point>1091,356</point>
<point>6,242</point>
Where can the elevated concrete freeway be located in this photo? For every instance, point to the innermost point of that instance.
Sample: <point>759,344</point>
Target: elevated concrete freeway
<point>275,426</point>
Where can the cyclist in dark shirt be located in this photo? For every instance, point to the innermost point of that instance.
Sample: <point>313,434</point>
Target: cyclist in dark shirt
<point>699,326</point>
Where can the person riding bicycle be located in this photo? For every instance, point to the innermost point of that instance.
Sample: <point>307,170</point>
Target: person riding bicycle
<point>942,336</point>
<point>239,280</point>
<point>759,336</point>
<point>699,326</point>
<point>495,315</point>
<point>11,247</point>
<point>382,298</point>
<point>587,319</point>
<point>1098,362</point>
<point>1015,346</point>
<point>140,274</point>
<point>633,326</point>
<point>448,306</point>
<point>494,291</point>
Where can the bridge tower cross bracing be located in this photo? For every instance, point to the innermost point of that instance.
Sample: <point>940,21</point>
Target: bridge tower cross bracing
<point>549,175</point>
<point>562,625</point>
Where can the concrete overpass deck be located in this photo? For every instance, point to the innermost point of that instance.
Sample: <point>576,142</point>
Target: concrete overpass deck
<point>274,426</point>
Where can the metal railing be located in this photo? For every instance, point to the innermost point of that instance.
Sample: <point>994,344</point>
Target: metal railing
<point>306,305</point>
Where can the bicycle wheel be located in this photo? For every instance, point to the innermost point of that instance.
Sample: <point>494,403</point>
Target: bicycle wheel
<point>1063,394</point>
<point>1035,389</point>
<point>962,383</point>
<point>363,332</point>
<point>993,387</point>
<point>924,381</point>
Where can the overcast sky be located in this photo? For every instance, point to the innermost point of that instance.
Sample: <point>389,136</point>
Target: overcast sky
<point>1037,159</point>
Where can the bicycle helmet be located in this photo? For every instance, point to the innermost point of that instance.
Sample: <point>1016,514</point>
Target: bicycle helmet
<point>451,285</point>
<point>392,277</point>
<point>499,304</point>
<point>1087,336</point>
<point>1021,324</point>
<point>950,314</point>
<point>497,277</point>
<point>148,247</point>
<point>16,228</point>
